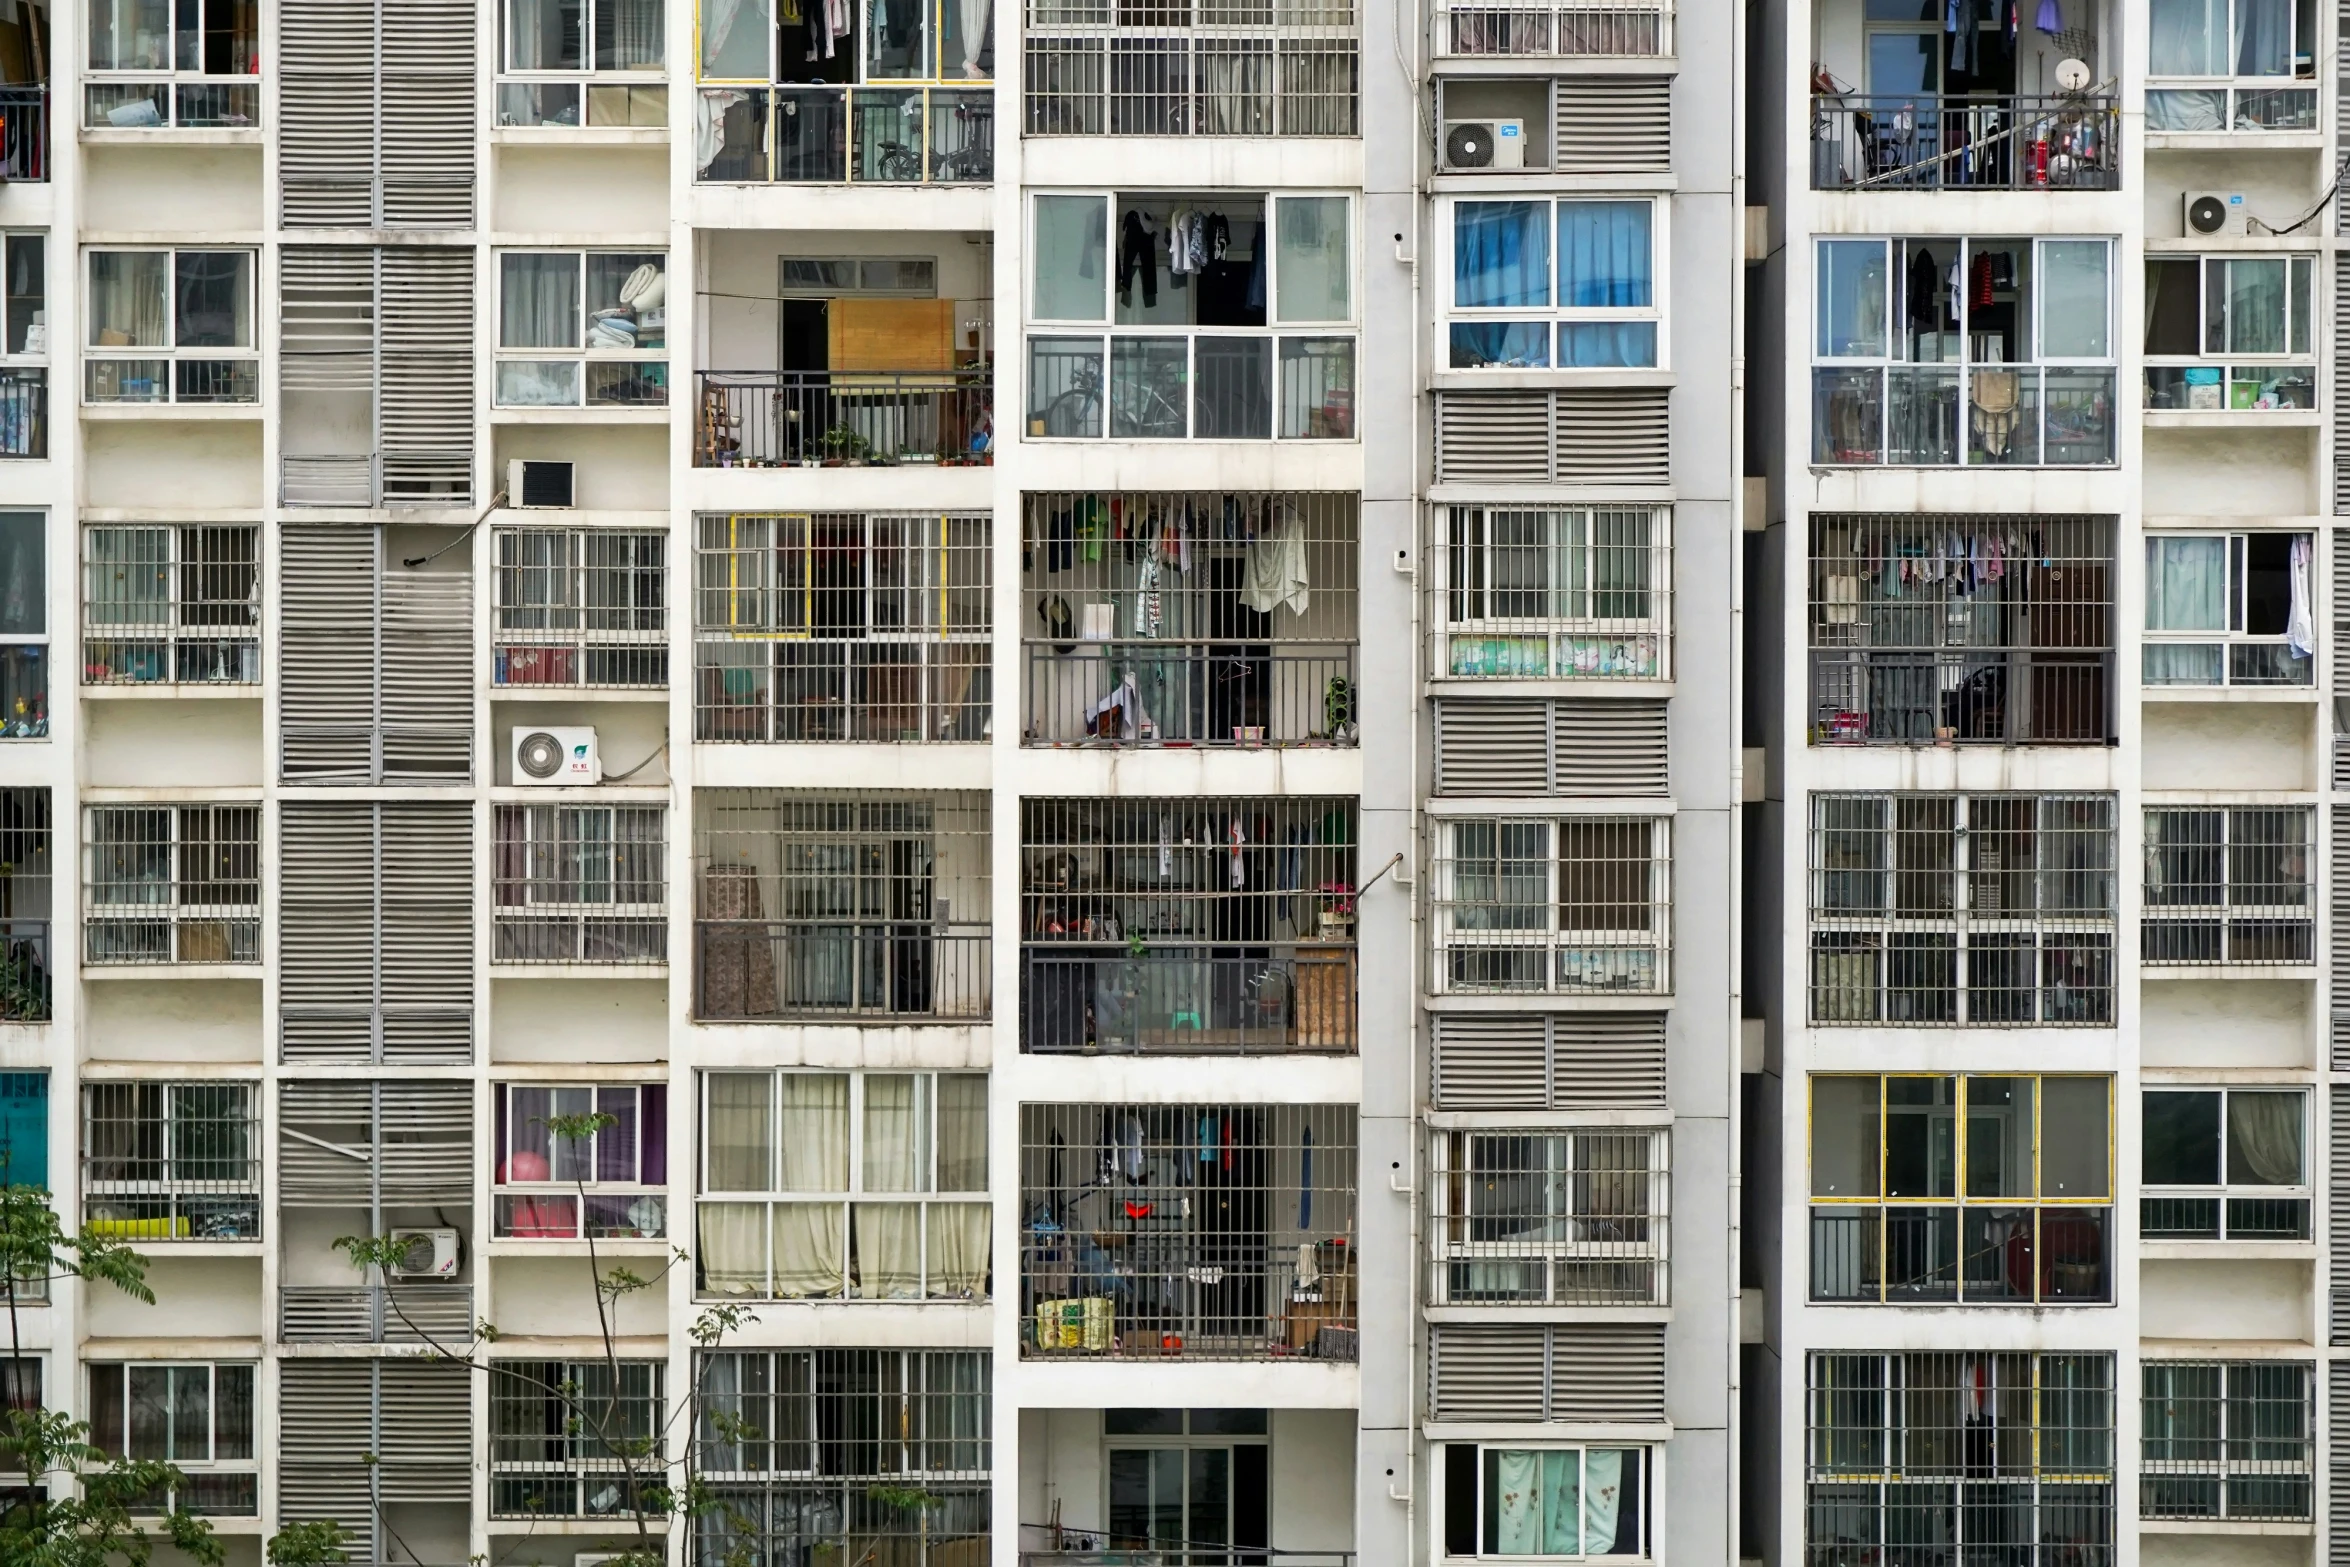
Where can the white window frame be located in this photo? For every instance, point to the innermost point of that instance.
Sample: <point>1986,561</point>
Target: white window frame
<point>584,79</point>
<point>2227,360</point>
<point>1560,943</point>
<point>2227,639</point>
<point>36,333</point>
<point>2223,1191</point>
<point>2233,88</point>
<point>193,1467</point>
<point>174,630</point>
<point>1559,1236</point>
<point>2223,912</point>
<point>33,725</point>
<point>1652,1524</point>
<point>173,910</point>
<point>860,29</point>
<point>168,80</point>
<point>503,1185</point>
<point>1574,646</point>
<point>171,354</point>
<point>174,1187</point>
<point>1555,314</point>
<point>582,355</point>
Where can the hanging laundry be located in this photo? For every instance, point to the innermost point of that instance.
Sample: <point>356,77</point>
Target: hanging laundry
<point>1150,609</point>
<point>2299,636</point>
<point>1138,255</point>
<point>1276,571</point>
<point>1238,838</point>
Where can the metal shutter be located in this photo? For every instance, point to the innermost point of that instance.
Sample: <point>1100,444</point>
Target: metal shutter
<point>376,663</point>
<point>2341,628</point>
<point>424,425</point>
<point>2342,375</point>
<point>1548,1061</point>
<point>373,1145</point>
<point>2339,998</point>
<point>376,932</point>
<point>1601,1060</point>
<point>1605,435</point>
<point>1613,124</point>
<point>1492,747</point>
<point>1482,1371</point>
<point>1616,435</point>
<point>360,1435</point>
<point>376,113</point>
<point>1579,1373</point>
<point>326,341</point>
<point>1608,748</point>
<point>1494,437</point>
<point>2338,1222</point>
<point>326,117</point>
<point>426,913</point>
<point>427,665</point>
<point>1525,747</point>
<point>1608,1372</point>
<point>426,150</point>
<point>2338,1458</point>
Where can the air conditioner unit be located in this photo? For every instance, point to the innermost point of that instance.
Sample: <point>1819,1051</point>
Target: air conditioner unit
<point>425,1254</point>
<point>536,485</point>
<point>2208,212</point>
<point>551,756</point>
<point>1485,144</point>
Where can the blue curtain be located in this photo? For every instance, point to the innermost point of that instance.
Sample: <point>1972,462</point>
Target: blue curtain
<point>24,1128</point>
<point>1604,255</point>
<point>1500,254</point>
<point>1482,345</point>
<point>1607,345</point>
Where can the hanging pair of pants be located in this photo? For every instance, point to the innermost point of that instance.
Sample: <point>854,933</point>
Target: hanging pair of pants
<point>1136,254</point>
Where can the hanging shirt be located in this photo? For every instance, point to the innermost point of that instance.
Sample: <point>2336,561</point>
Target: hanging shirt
<point>1276,571</point>
<point>2298,635</point>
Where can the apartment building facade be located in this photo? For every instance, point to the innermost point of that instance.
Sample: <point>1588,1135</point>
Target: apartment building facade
<point>1039,710</point>
<point>2042,1052</point>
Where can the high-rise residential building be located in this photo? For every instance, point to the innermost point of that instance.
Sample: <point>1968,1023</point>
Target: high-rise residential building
<point>1040,708</point>
<point>2046,1015</point>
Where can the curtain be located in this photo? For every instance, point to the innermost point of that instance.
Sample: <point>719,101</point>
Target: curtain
<point>1604,1480</point>
<point>962,1133</point>
<point>2264,1139</point>
<point>2264,37</point>
<point>545,35</point>
<point>130,298</point>
<point>2252,320</point>
<point>1500,254</point>
<point>2186,584</point>
<point>1605,259</point>
<point>214,299</point>
<point>629,34</point>
<point>2300,636</point>
<point>1235,88</point>
<point>740,1138</point>
<point>894,1140</point>
<point>889,1250</point>
<point>978,22</point>
<point>734,1253</point>
<point>538,302</point>
<point>813,1148</point>
<point>959,1247</point>
<point>734,40</point>
<point>24,583</point>
<point>810,1254</point>
<point>1481,345</point>
<point>2187,38</point>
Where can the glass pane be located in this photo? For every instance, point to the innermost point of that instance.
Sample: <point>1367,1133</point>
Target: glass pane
<point>538,301</point>
<point>2264,37</point>
<point>1147,390</point>
<point>896,1141</point>
<point>2173,305</point>
<point>24,583</point>
<point>629,35</point>
<point>1317,390</point>
<point>130,298</point>
<point>1312,271</point>
<point>2188,38</point>
<point>1606,345</point>
<point>2075,1137</point>
<point>150,1412</point>
<point>1920,1137</point>
<point>1999,1137</point>
<point>1500,254</point>
<point>1852,299</point>
<point>734,39</point>
<point>1500,345</point>
<point>130,35</point>
<point>740,1138</point>
<point>215,306</point>
<point>1903,63</point>
<point>1844,1136</point>
<point>2300,305</point>
<point>2254,306</point>
<point>2075,282</point>
<point>962,1132</point>
<point>545,35</point>
<point>1072,258</point>
<point>232,1412</point>
<point>27,294</point>
<point>627,294</point>
<point>897,42</point>
<point>1605,256</point>
<point>813,1140</point>
<point>2264,1138</point>
<point>540,383</point>
<point>2186,584</point>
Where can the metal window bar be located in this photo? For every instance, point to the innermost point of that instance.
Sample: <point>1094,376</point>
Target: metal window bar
<point>1575,905</point>
<point>576,1438</point>
<point>1570,593</point>
<point>581,884</point>
<point>24,389</point>
<point>1217,619</point>
<point>1574,1218</point>
<point>2246,1196</point>
<point>612,1184</point>
<point>1191,1231</point>
<point>26,909</point>
<point>888,135</point>
<point>842,627</point>
<point>1193,68</point>
<point>1188,926</point>
<point>844,417</point>
<point>1992,1455</point>
<point>580,607</point>
<point>2227,1439</point>
<point>2230,885</point>
<point>890,1415</point>
<point>24,132</point>
<point>182,103</point>
<point>1518,28</point>
<point>1946,909</point>
<point>1947,628</point>
<point>171,604</point>
<point>195,1416</point>
<point>171,1161</point>
<point>173,884</point>
<point>814,904</point>
<point>1965,141</point>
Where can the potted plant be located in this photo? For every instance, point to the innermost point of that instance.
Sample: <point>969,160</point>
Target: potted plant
<point>1338,910</point>
<point>843,446</point>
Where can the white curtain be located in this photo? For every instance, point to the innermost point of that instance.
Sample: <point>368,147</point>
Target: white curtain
<point>962,1133</point>
<point>2264,1139</point>
<point>810,1254</point>
<point>628,35</point>
<point>1603,1495</point>
<point>959,1250</point>
<point>740,1140</point>
<point>813,1149</point>
<point>538,302</point>
<point>734,1252</point>
<point>2187,38</point>
<point>889,1250</point>
<point>894,1140</point>
<point>978,19</point>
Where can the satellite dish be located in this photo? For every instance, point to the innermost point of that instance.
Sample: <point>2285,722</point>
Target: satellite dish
<point>2072,75</point>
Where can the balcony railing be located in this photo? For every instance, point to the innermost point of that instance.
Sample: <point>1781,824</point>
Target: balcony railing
<point>2209,1215</point>
<point>1992,696</point>
<point>1913,141</point>
<point>2226,388</point>
<point>851,135</point>
<point>1109,998</point>
<point>835,418</point>
<point>1063,1547</point>
<point>1975,1255</point>
<point>365,1314</point>
<point>24,133</point>
<point>1188,693</point>
<point>1521,28</point>
<point>1935,415</point>
<point>230,103</point>
<point>24,971</point>
<point>811,689</point>
<point>24,409</point>
<point>1135,1294</point>
<point>850,969</point>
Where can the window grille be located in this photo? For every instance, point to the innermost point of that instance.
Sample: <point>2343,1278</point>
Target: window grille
<point>2221,610</point>
<point>171,603</point>
<point>2225,1164</point>
<point>1192,68</point>
<point>174,884</point>
<point>584,607</point>
<point>1947,627</point>
<point>172,326</point>
<point>2227,1439</point>
<point>1907,1209</point>
<point>1990,1454</point>
<point>814,904</point>
<point>582,884</point>
<point>1188,925</point>
<point>24,622</point>
<point>564,67</point>
<point>25,907</point>
<point>195,1416</point>
<point>171,1161</point>
<point>842,627</point>
<point>844,1185</point>
<point>1561,1501</point>
<point>576,1438</point>
<point>2233,885</point>
<point>1550,1217</point>
<point>1191,619</point>
<point>1478,28</point>
<point>609,1185</point>
<point>1567,593</point>
<point>1199,1231</point>
<point>1576,905</point>
<point>1986,909</point>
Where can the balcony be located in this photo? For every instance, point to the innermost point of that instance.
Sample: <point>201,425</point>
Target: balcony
<point>1480,29</point>
<point>24,133</point>
<point>1974,1255</point>
<point>1199,1232</point>
<point>1968,141</point>
<point>440,1314</point>
<point>1930,416</point>
<point>1192,68</point>
<point>842,418</point>
<point>850,135</point>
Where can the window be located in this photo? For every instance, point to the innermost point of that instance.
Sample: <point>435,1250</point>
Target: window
<point>742,42</point>
<point>2228,609</point>
<point>24,1129</point>
<point>1207,358</point>
<point>25,907</point>
<point>24,625</point>
<point>1983,1454</point>
<point>2225,1164</point>
<point>2227,1439</point>
<point>573,63</point>
<point>196,1416</point>
<point>1597,308</point>
<point>1561,1501</point>
<point>1571,593</point>
<point>576,1438</point>
<point>2230,333</point>
<point>581,607</point>
<point>833,1185</point>
<point>187,64</point>
<point>1962,909</point>
<point>24,298</point>
<point>1565,1217</point>
<point>172,326</point>
<point>171,604</point>
<point>2230,885</point>
<point>1178,68</point>
<point>582,884</point>
<point>2223,65</point>
<point>1977,1189</point>
<point>805,1455</point>
<point>1932,352</point>
<point>174,885</point>
<point>611,1184</point>
<point>1579,904</point>
<point>171,1161</point>
<point>582,327</point>
<point>1179,1478</point>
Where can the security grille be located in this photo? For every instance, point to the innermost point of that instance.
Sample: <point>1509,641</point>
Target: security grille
<point>357,1434</point>
<point>1574,1218</point>
<point>581,884</point>
<point>171,1161</point>
<point>611,1184</point>
<point>818,904</point>
<point>1575,905</point>
<point>1192,68</point>
<point>376,932</point>
<point>1200,1231</point>
<point>173,884</point>
<point>25,906</point>
<point>1478,28</point>
<point>1984,909</point>
<point>375,664</point>
<point>376,113</point>
<point>2227,1439</point>
<point>577,1439</point>
<point>1188,925</point>
<point>581,607</point>
<point>2230,885</point>
<point>1944,626</point>
<point>171,604</point>
<point>1558,592</point>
